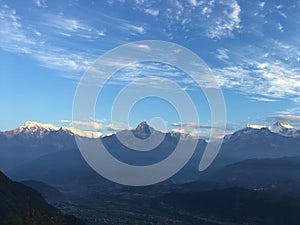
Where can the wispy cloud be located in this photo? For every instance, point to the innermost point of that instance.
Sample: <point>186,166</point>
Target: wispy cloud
<point>222,54</point>
<point>133,29</point>
<point>13,38</point>
<point>262,99</point>
<point>66,24</point>
<point>262,4</point>
<point>263,75</point>
<point>280,27</point>
<point>190,125</point>
<point>143,46</point>
<point>83,124</point>
<point>95,125</point>
<point>222,23</point>
<point>16,37</point>
<point>268,80</point>
<point>41,3</point>
<point>195,129</point>
<point>155,73</point>
<point>184,16</point>
<point>286,118</point>
<point>152,12</point>
<point>291,110</point>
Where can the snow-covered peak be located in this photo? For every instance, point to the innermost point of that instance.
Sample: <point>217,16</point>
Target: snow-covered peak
<point>34,129</point>
<point>35,125</point>
<point>282,124</point>
<point>282,128</point>
<point>39,130</point>
<point>279,127</point>
<point>275,128</point>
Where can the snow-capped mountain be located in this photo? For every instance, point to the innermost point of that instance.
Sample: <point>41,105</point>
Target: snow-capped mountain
<point>39,131</point>
<point>254,141</point>
<point>283,129</point>
<point>32,140</point>
<point>279,127</point>
<point>34,129</point>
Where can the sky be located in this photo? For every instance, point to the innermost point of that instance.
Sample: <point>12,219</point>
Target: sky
<point>251,47</point>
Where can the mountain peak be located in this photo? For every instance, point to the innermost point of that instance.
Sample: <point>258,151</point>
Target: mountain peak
<point>142,125</point>
<point>143,130</point>
<point>39,130</point>
<point>282,128</point>
<point>283,125</point>
<point>34,129</point>
<point>35,125</point>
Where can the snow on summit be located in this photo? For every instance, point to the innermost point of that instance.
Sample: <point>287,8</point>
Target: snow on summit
<point>39,130</point>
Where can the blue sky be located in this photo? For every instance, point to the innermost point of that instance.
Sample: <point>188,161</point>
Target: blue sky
<point>252,48</point>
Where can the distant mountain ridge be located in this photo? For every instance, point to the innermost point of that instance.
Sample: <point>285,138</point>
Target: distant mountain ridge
<point>39,130</point>
<point>279,127</point>
<point>143,130</point>
<point>32,140</point>
<point>252,142</point>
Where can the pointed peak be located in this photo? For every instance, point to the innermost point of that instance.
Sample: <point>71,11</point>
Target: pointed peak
<point>283,125</point>
<point>143,124</point>
<point>143,130</point>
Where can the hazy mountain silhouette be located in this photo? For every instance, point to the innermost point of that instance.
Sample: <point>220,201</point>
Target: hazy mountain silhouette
<point>22,205</point>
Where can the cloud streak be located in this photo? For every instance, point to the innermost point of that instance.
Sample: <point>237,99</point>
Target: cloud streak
<point>286,118</point>
<point>41,3</point>
<point>262,76</point>
<point>17,37</point>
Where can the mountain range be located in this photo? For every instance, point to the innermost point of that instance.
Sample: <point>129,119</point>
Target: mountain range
<point>41,152</point>
<point>33,140</point>
<point>263,159</point>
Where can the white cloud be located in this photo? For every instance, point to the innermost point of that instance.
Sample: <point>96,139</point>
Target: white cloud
<point>270,81</point>
<point>190,125</point>
<point>262,99</point>
<point>156,73</point>
<point>143,46</point>
<point>41,3</point>
<point>280,27</point>
<point>88,125</point>
<point>16,37</point>
<point>288,118</point>
<point>267,73</point>
<point>13,38</point>
<point>262,4</point>
<point>135,29</point>
<point>101,33</point>
<point>62,60</point>
<point>206,11</point>
<point>195,3</point>
<point>221,23</point>
<point>282,14</point>
<point>262,65</point>
<point>37,33</point>
<point>65,24</point>
<point>222,54</point>
<point>94,125</point>
<point>152,12</point>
